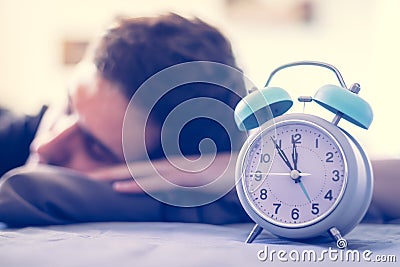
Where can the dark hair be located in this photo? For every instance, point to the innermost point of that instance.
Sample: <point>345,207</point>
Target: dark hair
<point>134,49</point>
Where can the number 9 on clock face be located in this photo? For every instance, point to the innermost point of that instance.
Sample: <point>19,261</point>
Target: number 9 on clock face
<point>294,173</point>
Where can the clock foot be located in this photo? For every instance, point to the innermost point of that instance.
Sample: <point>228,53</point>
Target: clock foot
<point>254,233</point>
<point>340,241</point>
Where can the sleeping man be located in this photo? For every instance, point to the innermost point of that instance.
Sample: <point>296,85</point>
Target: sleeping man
<point>76,170</point>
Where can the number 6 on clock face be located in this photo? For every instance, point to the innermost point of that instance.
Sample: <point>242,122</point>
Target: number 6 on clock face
<point>295,173</point>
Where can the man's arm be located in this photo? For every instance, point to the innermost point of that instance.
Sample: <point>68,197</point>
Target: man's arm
<point>46,195</point>
<point>385,205</point>
<point>16,135</point>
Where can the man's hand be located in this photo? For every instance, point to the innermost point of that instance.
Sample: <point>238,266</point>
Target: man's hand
<point>162,175</point>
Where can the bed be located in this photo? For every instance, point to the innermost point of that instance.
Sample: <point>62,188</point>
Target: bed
<point>177,244</point>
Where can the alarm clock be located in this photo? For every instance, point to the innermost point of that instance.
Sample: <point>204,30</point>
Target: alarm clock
<point>298,175</point>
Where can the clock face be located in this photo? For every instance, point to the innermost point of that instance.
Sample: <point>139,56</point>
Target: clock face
<point>294,174</point>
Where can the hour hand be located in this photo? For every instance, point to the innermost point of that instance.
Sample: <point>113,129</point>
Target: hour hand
<point>282,154</point>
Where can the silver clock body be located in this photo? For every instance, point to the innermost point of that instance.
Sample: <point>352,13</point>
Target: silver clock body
<point>335,184</point>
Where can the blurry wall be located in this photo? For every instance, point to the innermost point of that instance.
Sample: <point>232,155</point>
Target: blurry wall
<point>357,36</point>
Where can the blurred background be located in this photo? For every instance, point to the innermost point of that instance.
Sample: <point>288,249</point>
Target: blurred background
<point>41,40</point>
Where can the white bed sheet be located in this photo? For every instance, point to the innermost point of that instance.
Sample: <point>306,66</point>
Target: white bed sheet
<point>119,244</point>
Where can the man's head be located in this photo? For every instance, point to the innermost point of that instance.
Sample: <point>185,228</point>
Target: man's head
<point>134,49</point>
<point>89,135</point>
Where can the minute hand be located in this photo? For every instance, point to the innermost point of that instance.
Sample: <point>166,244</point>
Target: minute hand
<point>295,155</point>
<point>282,155</point>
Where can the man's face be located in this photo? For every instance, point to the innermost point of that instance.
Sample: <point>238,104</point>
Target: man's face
<point>89,134</point>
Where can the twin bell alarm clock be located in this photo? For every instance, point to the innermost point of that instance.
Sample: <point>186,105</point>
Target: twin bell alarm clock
<point>298,175</point>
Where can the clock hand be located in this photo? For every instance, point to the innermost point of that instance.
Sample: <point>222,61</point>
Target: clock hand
<point>260,183</point>
<point>304,190</point>
<point>295,155</point>
<point>282,155</point>
<point>296,177</point>
<point>281,173</point>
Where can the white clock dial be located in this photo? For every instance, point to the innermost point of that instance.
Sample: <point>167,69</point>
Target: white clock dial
<point>294,173</point>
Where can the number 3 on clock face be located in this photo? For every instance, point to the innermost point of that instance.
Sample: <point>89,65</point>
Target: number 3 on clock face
<point>295,173</point>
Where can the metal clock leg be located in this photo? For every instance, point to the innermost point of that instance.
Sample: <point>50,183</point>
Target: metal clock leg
<point>254,233</point>
<point>340,241</point>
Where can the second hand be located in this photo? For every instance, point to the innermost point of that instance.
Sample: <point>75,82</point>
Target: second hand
<point>280,173</point>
